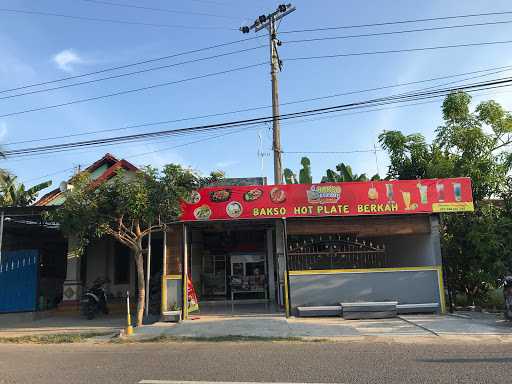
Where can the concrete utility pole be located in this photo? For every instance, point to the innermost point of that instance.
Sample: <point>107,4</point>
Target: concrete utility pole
<point>269,22</point>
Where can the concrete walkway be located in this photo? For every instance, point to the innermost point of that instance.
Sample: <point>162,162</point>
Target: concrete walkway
<point>327,328</point>
<point>460,325</point>
<point>13,327</point>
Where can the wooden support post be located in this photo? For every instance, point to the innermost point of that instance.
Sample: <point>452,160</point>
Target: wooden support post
<point>185,273</point>
<point>287,301</point>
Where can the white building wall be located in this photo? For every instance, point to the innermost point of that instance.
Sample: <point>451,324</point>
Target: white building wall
<point>100,263</point>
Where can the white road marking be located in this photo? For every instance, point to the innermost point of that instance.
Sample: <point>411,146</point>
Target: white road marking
<point>213,382</point>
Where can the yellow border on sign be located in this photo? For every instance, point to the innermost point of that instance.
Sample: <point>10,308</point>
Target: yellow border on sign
<point>173,277</point>
<point>436,268</point>
<point>463,206</point>
<point>368,270</point>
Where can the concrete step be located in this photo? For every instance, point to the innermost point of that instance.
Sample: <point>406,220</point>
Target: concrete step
<point>334,310</point>
<point>65,309</point>
<point>171,316</point>
<point>369,306</point>
<point>418,308</point>
<point>369,310</point>
<point>369,315</point>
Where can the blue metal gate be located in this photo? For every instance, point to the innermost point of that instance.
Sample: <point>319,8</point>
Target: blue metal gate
<point>18,281</point>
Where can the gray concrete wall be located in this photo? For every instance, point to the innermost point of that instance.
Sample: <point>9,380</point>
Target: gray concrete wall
<point>409,251</point>
<point>406,287</point>
<point>435,240</point>
<point>421,250</point>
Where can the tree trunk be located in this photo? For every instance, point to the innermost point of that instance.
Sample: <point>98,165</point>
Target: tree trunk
<point>139,263</point>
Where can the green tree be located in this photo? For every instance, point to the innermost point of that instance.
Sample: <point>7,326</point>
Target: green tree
<point>305,173</point>
<point>127,208</point>
<point>472,144</point>
<point>14,194</point>
<point>289,176</point>
<point>343,173</point>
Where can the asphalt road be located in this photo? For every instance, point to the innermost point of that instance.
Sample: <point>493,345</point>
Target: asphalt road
<point>350,362</point>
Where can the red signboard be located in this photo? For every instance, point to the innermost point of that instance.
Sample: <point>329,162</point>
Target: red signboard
<point>330,199</point>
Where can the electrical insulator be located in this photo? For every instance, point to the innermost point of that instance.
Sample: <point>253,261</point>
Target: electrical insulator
<point>262,18</point>
<point>282,8</point>
<point>245,29</point>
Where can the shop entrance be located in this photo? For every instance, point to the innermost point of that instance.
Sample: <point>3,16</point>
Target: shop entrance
<point>233,269</point>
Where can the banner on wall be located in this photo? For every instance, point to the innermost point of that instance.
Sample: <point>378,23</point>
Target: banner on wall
<point>386,197</point>
<point>193,304</point>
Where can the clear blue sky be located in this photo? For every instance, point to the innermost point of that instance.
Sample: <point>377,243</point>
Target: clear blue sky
<point>37,48</point>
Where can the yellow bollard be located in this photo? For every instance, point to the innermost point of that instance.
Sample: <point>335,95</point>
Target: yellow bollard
<point>129,328</point>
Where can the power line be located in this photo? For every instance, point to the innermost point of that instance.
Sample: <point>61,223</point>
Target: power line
<point>160,140</point>
<point>197,50</point>
<point>209,2</point>
<point>289,59</point>
<point>153,86</point>
<point>398,50</point>
<point>498,70</point>
<point>497,83</point>
<point>151,152</point>
<point>175,11</point>
<point>132,73</point>
<point>495,69</point>
<point>394,22</point>
<point>194,142</point>
<point>48,175</point>
<point>240,68</point>
<point>479,93</point>
<point>211,57</point>
<point>331,152</point>
<point>143,125</point>
<point>326,38</point>
<point>299,121</point>
<point>287,123</point>
<point>114,21</point>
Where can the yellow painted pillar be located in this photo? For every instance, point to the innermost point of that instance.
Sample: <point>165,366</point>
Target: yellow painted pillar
<point>442,300</point>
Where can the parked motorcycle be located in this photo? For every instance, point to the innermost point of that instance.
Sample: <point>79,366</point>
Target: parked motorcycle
<point>507,295</point>
<point>94,299</point>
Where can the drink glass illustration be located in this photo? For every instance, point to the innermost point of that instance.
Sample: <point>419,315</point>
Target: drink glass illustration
<point>457,191</point>
<point>440,192</point>
<point>389,192</point>
<point>423,193</point>
<point>407,199</point>
<point>372,193</point>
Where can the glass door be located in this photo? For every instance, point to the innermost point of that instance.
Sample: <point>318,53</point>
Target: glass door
<point>213,277</point>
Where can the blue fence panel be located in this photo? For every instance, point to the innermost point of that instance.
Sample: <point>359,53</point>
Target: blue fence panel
<point>18,281</point>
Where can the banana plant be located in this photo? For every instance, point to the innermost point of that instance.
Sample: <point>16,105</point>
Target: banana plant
<point>344,172</point>
<point>14,194</point>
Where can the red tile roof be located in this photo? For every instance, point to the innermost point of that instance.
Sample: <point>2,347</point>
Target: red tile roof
<point>113,166</point>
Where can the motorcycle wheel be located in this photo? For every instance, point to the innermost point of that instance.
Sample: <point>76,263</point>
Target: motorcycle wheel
<point>508,308</point>
<point>91,311</point>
